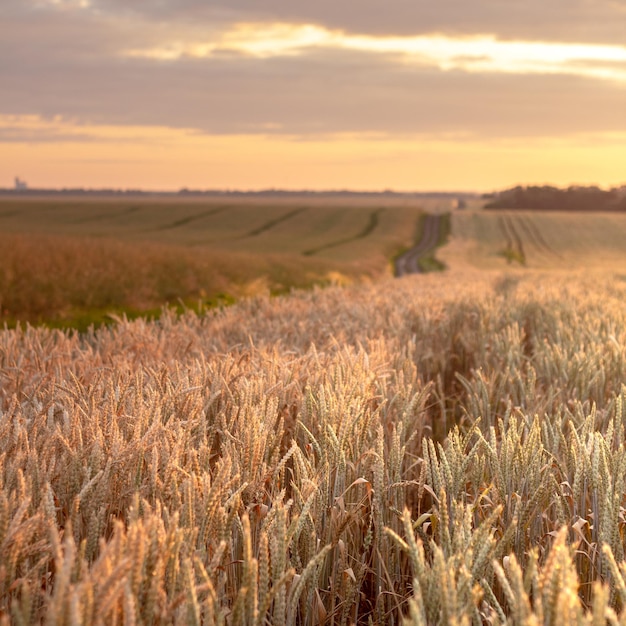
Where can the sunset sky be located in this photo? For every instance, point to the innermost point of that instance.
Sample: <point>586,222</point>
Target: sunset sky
<point>373,94</point>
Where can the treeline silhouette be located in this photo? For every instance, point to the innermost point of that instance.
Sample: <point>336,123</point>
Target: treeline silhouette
<point>235,193</point>
<point>554,199</point>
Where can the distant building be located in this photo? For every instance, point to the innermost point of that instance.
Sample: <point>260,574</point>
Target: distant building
<point>20,185</point>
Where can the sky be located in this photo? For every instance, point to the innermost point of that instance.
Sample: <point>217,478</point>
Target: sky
<point>411,95</point>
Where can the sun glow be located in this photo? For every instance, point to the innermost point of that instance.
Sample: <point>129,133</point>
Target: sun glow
<point>481,53</point>
<point>57,153</point>
<point>64,5</point>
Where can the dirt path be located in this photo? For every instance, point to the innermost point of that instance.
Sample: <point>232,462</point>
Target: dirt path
<point>189,219</point>
<point>107,215</point>
<point>272,223</point>
<point>408,263</point>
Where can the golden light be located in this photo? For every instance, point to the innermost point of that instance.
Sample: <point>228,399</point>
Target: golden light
<point>55,153</point>
<point>480,53</point>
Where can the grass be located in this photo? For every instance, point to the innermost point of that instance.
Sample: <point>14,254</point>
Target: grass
<point>82,319</point>
<point>438,449</point>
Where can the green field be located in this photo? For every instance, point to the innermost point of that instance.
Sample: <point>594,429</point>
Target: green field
<point>334,229</point>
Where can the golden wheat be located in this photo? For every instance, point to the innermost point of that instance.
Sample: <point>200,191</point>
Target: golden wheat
<point>429,450</point>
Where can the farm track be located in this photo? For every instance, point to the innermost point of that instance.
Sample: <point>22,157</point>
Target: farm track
<point>107,215</point>
<point>371,226</point>
<point>272,223</point>
<point>189,219</point>
<point>408,263</point>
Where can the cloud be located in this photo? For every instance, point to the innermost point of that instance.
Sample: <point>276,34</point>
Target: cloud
<point>599,21</point>
<point>326,92</point>
<point>478,54</point>
<point>70,59</point>
<point>576,21</point>
<point>36,129</point>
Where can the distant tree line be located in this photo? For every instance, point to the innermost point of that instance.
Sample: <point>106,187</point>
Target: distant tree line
<point>234,193</point>
<point>554,199</point>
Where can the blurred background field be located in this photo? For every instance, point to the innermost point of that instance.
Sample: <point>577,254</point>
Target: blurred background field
<point>539,239</point>
<point>75,281</point>
<point>306,226</point>
<point>72,261</point>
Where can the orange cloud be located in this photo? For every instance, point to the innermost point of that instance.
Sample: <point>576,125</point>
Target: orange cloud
<point>475,54</point>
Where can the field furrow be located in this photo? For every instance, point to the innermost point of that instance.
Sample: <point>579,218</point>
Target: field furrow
<point>184,221</point>
<point>372,224</point>
<point>273,223</point>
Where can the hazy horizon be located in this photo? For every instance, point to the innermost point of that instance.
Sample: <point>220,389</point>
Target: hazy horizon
<point>25,186</point>
<point>406,96</point>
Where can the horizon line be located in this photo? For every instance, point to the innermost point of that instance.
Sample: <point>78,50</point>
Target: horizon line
<point>184,191</point>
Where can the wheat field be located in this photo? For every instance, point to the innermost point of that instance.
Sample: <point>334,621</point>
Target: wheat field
<point>75,282</point>
<point>332,229</point>
<point>428,450</point>
<point>541,239</point>
<point>71,262</point>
